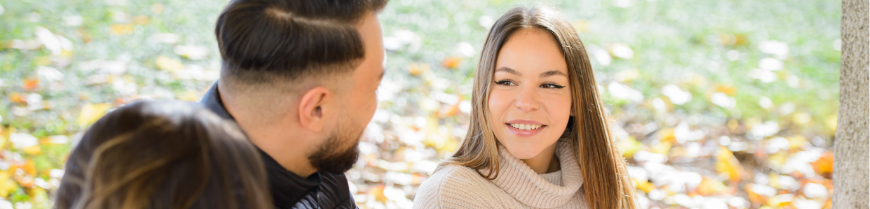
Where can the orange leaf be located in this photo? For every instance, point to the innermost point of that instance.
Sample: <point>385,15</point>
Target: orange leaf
<point>378,193</point>
<point>417,179</point>
<point>824,165</point>
<point>142,20</point>
<point>157,8</point>
<point>451,62</point>
<point>17,98</point>
<point>29,167</point>
<point>31,84</point>
<point>417,69</point>
<point>448,111</point>
<point>754,198</point>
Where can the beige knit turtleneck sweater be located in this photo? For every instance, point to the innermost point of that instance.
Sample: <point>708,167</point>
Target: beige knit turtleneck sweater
<point>517,185</point>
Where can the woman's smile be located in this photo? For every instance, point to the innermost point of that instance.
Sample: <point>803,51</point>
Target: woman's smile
<point>525,128</point>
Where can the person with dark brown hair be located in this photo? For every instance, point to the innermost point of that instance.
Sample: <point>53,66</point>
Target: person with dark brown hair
<point>539,136</point>
<point>300,78</point>
<point>152,154</point>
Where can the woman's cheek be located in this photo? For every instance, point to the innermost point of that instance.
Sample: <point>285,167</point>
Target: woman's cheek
<point>497,104</point>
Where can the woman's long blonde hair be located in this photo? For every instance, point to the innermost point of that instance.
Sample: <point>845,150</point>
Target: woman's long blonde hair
<point>606,181</point>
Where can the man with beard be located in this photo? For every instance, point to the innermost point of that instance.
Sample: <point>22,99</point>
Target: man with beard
<point>300,78</point>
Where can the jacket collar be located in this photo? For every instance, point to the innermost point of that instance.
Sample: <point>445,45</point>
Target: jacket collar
<point>286,187</point>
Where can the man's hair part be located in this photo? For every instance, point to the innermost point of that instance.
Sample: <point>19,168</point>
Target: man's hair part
<point>263,41</point>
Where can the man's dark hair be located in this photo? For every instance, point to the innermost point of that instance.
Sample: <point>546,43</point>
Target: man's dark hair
<point>262,40</point>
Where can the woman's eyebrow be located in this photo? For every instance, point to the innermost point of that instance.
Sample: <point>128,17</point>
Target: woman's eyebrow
<point>508,70</point>
<point>552,73</point>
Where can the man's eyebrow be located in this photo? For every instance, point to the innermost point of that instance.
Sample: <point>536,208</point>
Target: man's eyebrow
<point>508,70</point>
<point>552,73</point>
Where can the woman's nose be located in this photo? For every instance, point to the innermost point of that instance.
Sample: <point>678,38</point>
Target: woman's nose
<point>527,100</point>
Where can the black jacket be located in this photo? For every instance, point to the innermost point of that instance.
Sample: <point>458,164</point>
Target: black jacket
<point>320,190</point>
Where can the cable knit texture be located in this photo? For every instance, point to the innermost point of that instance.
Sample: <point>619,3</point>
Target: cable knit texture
<point>517,185</point>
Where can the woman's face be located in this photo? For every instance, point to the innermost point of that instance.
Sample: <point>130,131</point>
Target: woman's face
<point>530,98</point>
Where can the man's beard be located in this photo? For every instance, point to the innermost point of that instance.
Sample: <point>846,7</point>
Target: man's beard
<point>328,159</point>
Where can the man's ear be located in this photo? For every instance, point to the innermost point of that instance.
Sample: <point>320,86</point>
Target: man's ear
<point>311,108</point>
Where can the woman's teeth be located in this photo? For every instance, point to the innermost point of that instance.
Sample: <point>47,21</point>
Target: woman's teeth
<point>525,126</point>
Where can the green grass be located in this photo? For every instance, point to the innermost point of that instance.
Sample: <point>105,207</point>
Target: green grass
<point>674,42</point>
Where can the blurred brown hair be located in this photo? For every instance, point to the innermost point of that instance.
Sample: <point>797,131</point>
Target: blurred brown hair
<point>263,41</point>
<point>167,154</point>
<point>605,179</point>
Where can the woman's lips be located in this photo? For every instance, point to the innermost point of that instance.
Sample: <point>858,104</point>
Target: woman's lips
<point>524,133</point>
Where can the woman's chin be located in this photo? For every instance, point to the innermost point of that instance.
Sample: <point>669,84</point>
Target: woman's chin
<point>523,152</point>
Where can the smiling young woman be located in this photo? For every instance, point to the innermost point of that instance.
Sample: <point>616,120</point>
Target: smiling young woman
<point>538,136</point>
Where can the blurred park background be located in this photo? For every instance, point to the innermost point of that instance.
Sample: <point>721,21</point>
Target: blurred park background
<point>714,104</point>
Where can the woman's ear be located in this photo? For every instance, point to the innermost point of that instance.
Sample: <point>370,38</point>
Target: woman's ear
<point>569,128</point>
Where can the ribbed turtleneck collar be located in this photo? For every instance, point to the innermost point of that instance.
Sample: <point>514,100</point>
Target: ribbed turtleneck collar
<point>540,190</point>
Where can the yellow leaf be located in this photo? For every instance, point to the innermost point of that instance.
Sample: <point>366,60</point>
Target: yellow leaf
<point>7,185</point>
<point>627,76</point>
<point>32,150</point>
<point>710,186</point>
<point>777,159</point>
<point>727,163</point>
<point>450,146</point>
<point>121,29</point>
<point>3,135</point>
<point>727,89</point>
<point>831,123</point>
<point>662,147</point>
<point>779,201</point>
<point>169,64</point>
<point>667,135</point>
<point>42,61</point>
<point>801,118</point>
<point>733,124</point>
<point>751,122</point>
<point>189,95</point>
<point>66,53</point>
<point>796,141</point>
<point>90,113</point>
<point>629,146</point>
<point>646,186</point>
<point>581,25</point>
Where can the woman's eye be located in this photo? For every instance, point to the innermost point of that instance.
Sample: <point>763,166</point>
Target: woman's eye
<point>552,86</point>
<point>505,83</point>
